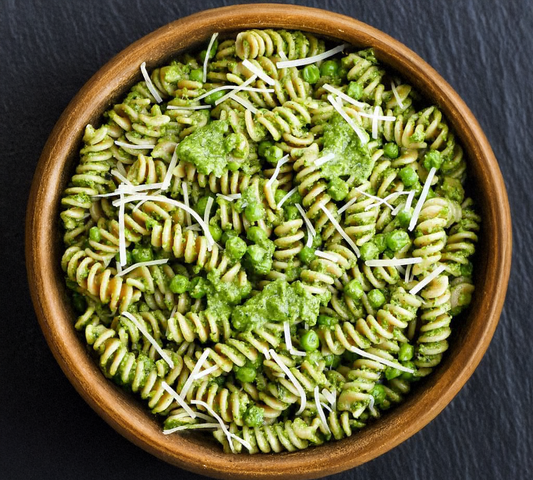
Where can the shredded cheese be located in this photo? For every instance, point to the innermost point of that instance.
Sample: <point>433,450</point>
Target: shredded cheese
<point>185,191</point>
<point>259,72</point>
<point>182,403</point>
<point>347,205</point>
<point>379,200</point>
<point>194,228</point>
<point>171,166</point>
<point>315,58</point>
<point>326,158</point>
<point>320,410</point>
<point>134,146</point>
<point>206,372</point>
<point>383,361</point>
<point>191,427</point>
<point>375,123</point>
<point>231,197</point>
<point>408,273</point>
<point>289,194</point>
<point>149,83</point>
<point>393,262</point>
<point>327,256</point>
<point>122,178</point>
<point>288,341</point>
<point>410,199</point>
<point>188,107</point>
<point>208,54</point>
<point>281,162</point>
<point>228,434</point>
<point>153,198</point>
<point>344,235</point>
<point>143,264</point>
<point>310,229</point>
<point>428,278</point>
<point>396,95</point>
<point>422,198</point>
<point>234,87</point>
<point>292,379</point>
<point>245,103</point>
<point>207,212</point>
<point>194,372</point>
<point>236,90</point>
<point>345,97</point>
<point>151,339</point>
<point>121,234</point>
<point>363,136</point>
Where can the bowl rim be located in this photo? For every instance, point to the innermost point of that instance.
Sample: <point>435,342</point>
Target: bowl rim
<point>121,411</point>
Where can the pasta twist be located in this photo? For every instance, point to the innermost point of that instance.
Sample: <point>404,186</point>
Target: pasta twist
<point>361,220</point>
<point>288,244</point>
<point>435,325</point>
<point>366,73</point>
<point>281,43</point>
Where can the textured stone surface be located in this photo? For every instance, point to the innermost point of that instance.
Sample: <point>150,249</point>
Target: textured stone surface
<point>49,49</point>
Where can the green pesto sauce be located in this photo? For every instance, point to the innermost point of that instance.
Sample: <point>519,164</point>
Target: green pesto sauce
<point>351,158</point>
<point>205,148</point>
<point>279,301</point>
<point>222,296</point>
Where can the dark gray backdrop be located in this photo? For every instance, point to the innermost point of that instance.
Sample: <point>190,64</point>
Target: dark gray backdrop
<point>49,49</point>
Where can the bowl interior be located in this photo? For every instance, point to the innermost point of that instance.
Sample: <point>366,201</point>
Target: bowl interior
<point>471,333</point>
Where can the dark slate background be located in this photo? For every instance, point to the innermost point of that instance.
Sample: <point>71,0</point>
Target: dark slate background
<point>49,49</point>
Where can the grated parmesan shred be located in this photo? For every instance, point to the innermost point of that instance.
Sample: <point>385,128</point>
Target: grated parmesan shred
<point>259,72</point>
<point>280,164</point>
<point>143,264</point>
<point>292,379</point>
<point>393,262</point>
<point>422,199</point>
<point>320,410</point>
<point>310,229</point>
<point>363,136</point>
<point>428,278</point>
<point>344,235</point>
<point>313,59</point>
<point>151,339</point>
<point>150,84</point>
<point>207,55</point>
<point>182,403</point>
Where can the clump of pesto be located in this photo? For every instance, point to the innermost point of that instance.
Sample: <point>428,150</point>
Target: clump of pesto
<point>279,301</point>
<point>205,148</point>
<point>351,158</point>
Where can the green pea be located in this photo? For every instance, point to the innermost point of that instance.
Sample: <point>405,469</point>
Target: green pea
<point>379,393</point>
<point>404,217</point>
<point>227,235</point>
<point>309,341</point>
<point>246,374</point>
<point>142,255</point>
<point>273,154</point>
<point>197,75</point>
<point>236,248</point>
<point>291,212</point>
<point>355,90</point>
<point>313,357</point>
<point>467,269</point>
<point>330,68</point>
<point>263,147</point>
<point>337,189</point>
<point>311,74</point>
<point>376,298</point>
<point>354,290</point>
<point>280,193</point>
<point>407,375</point>
<point>254,416</point>
<point>391,372</point>
<point>306,255</point>
<point>332,361</point>
<point>79,303</point>
<point>201,205</point>
<point>94,234</point>
<point>233,166</point>
<point>368,251</point>
<point>327,321</point>
<point>261,262</point>
<point>198,287</point>
<point>254,212</point>
<point>256,253</point>
<point>380,241</point>
<point>406,352</point>
<point>179,284</point>
<point>397,239</point>
<point>408,176</point>
<point>213,97</point>
<point>257,235</point>
<point>391,150</point>
<point>216,232</point>
<point>212,51</point>
<point>433,159</point>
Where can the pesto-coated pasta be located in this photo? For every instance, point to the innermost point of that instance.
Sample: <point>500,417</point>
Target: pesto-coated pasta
<point>268,244</point>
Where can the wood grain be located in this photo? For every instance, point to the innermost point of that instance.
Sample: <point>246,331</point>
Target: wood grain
<point>128,415</point>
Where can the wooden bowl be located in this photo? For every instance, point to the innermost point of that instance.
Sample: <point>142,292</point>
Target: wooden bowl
<point>124,412</point>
